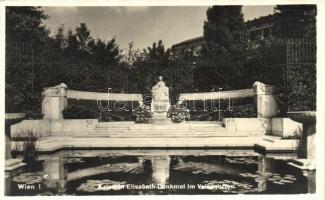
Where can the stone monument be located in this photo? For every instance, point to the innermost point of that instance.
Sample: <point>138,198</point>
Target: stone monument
<point>160,102</point>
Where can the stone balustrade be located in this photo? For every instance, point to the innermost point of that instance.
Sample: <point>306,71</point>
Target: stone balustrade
<point>266,100</point>
<point>55,99</point>
<point>81,95</point>
<point>216,95</point>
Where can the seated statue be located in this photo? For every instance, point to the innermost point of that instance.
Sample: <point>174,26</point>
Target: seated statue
<point>160,97</point>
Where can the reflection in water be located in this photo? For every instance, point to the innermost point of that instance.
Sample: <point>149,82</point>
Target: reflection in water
<point>214,175</point>
<point>160,169</point>
<point>95,185</point>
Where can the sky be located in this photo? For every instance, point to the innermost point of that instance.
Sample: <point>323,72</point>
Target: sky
<point>140,24</point>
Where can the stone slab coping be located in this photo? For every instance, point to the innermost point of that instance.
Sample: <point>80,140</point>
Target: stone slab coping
<point>276,144</point>
<point>49,144</point>
<point>13,164</point>
<point>303,164</point>
<point>9,116</point>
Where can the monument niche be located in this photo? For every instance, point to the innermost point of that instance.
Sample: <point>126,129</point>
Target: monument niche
<point>160,102</point>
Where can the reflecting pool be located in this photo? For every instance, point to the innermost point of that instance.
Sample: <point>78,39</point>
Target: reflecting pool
<point>79,174</point>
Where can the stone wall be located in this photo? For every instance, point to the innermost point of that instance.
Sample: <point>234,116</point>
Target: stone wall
<point>45,128</point>
<point>282,127</point>
<point>254,126</point>
<point>41,127</point>
<point>285,127</point>
<point>72,126</point>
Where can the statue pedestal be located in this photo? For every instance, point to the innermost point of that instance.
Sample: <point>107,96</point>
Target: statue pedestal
<point>160,118</point>
<point>159,110</point>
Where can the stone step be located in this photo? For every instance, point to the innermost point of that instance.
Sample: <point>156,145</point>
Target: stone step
<point>204,125</point>
<point>158,131</point>
<point>207,128</point>
<point>109,129</point>
<point>161,130</point>
<point>115,124</point>
<point>118,123</point>
<point>173,126</point>
<point>148,135</point>
<point>172,131</point>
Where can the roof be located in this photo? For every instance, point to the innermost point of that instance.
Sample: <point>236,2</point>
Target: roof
<point>189,41</point>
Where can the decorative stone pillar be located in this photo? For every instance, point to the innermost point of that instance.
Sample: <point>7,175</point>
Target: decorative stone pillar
<point>54,101</point>
<point>308,119</point>
<point>266,101</point>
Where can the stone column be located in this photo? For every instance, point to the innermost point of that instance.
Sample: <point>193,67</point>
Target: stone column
<point>54,101</point>
<point>266,101</point>
<point>308,143</point>
<point>310,140</point>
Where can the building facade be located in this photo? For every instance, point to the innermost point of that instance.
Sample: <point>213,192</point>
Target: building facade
<point>257,30</point>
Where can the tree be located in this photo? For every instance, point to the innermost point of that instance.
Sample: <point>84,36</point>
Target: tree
<point>83,36</point>
<point>224,34</point>
<point>157,56</point>
<point>26,40</point>
<point>59,38</point>
<point>112,52</point>
<point>295,21</point>
<point>24,24</point>
<point>72,48</point>
<point>130,55</point>
<point>298,21</point>
<point>158,52</point>
<point>146,65</point>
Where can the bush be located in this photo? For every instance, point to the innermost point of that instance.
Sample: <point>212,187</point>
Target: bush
<point>79,112</point>
<point>86,109</point>
<point>142,114</point>
<point>178,113</point>
<point>28,146</point>
<point>301,91</point>
<point>241,111</point>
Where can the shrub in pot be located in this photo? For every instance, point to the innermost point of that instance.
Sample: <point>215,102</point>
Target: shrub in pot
<point>178,113</point>
<point>142,114</point>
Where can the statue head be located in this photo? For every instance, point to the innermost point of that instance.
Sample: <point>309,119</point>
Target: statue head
<point>160,78</point>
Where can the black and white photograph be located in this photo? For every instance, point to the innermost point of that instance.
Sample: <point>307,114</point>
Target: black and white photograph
<point>202,99</point>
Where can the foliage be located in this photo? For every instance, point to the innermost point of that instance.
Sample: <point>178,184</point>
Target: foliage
<point>35,60</point>
<point>295,21</point>
<point>178,113</point>
<point>241,108</point>
<point>79,112</point>
<point>142,114</point>
<point>301,89</point>
<point>29,144</point>
<point>150,64</point>
<point>25,37</point>
<point>87,109</point>
<point>131,55</point>
<point>224,34</point>
<point>241,111</point>
<point>83,36</point>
